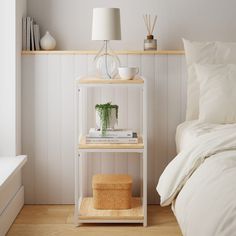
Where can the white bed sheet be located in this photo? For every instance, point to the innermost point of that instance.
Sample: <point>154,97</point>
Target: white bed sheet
<point>206,202</point>
<point>189,131</point>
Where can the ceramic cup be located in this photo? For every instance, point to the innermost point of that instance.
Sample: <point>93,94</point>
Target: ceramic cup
<point>128,72</point>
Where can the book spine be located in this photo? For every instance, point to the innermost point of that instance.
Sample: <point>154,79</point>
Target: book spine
<point>32,35</point>
<point>36,37</point>
<point>38,34</point>
<point>24,33</point>
<point>112,140</point>
<point>28,33</point>
<point>111,134</point>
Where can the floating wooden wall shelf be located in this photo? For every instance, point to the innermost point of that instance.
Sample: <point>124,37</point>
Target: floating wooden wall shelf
<point>128,52</point>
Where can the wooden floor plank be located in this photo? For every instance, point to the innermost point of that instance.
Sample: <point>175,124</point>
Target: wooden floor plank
<point>50,220</point>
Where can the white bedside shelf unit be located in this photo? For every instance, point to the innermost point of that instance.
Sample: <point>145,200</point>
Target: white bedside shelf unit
<point>84,211</point>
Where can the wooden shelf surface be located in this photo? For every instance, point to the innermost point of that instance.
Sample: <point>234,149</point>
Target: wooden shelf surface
<point>94,52</point>
<point>87,212</point>
<point>96,80</point>
<point>84,145</point>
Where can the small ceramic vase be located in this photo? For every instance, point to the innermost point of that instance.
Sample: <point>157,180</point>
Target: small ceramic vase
<point>47,42</point>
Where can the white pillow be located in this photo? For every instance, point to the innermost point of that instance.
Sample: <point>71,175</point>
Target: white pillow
<point>217,102</point>
<point>203,53</point>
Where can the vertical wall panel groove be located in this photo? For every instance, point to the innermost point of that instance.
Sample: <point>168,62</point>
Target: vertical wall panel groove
<point>47,122</point>
<point>174,101</point>
<point>121,95</point>
<point>28,126</point>
<point>148,72</point>
<point>67,138</point>
<point>133,122</point>
<point>183,88</point>
<point>161,109</point>
<point>41,129</point>
<point>54,130</point>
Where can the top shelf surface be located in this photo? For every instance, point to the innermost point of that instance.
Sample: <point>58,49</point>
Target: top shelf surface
<point>90,80</point>
<point>93,52</point>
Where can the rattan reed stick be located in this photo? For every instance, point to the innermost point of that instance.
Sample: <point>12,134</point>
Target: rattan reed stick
<point>145,21</point>
<point>153,25</point>
<point>149,24</point>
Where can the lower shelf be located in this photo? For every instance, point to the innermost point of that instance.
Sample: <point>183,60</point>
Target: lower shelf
<point>87,212</point>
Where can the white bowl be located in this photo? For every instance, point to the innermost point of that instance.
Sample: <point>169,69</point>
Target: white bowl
<point>128,72</point>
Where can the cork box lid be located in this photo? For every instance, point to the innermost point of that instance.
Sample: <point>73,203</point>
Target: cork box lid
<point>112,181</point>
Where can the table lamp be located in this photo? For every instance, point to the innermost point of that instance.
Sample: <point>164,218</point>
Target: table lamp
<point>106,27</point>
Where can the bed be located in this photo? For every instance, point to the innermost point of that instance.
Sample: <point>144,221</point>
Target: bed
<point>11,190</point>
<point>200,182</point>
<point>206,205</point>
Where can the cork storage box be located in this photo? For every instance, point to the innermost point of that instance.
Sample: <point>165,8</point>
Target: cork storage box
<point>112,192</point>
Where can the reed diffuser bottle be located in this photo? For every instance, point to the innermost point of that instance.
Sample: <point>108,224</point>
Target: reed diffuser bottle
<point>150,43</point>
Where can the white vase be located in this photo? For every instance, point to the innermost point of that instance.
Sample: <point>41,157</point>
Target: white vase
<point>47,42</point>
<point>112,120</point>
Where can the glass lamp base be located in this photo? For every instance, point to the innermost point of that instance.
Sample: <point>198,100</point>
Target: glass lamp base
<point>106,62</point>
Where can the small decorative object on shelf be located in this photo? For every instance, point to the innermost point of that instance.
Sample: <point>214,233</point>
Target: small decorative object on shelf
<point>30,34</point>
<point>128,72</point>
<point>106,117</point>
<point>112,191</point>
<point>47,42</point>
<point>150,43</point>
<point>106,27</point>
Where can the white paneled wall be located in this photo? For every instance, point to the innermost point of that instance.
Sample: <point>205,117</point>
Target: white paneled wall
<point>47,121</point>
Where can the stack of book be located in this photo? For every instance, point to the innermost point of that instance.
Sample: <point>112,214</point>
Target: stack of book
<point>117,136</point>
<point>30,34</point>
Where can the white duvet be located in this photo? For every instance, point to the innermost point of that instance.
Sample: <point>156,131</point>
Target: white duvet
<point>201,183</point>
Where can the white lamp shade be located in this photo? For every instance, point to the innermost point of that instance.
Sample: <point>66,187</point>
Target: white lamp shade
<point>106,24</point>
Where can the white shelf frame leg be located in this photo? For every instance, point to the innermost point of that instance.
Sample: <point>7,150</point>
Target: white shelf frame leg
<point>145,154</point>
<point>79,187</point>
<point>76,213</point>
<point>83,131</point>
<point>76,159</point>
